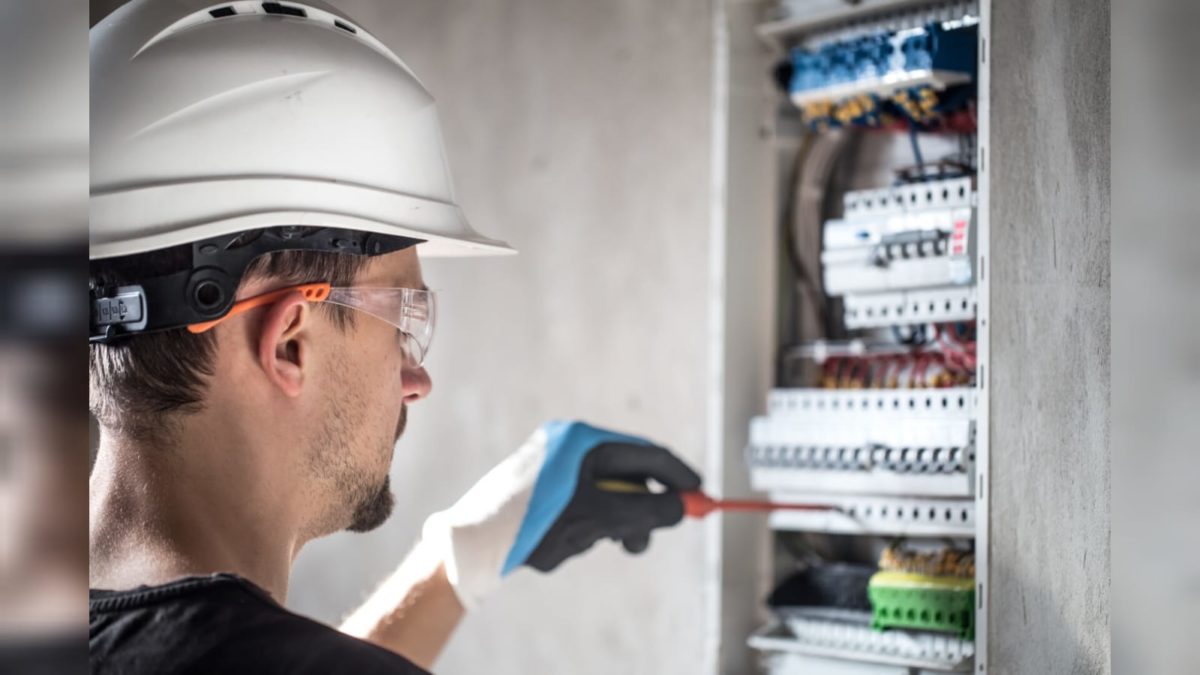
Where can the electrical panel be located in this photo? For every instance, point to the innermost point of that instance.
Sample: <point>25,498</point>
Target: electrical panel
<point>882,417</point>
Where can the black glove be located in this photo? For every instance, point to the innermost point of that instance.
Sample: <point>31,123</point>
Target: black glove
<point>595,513</point>
<point>545,503</point>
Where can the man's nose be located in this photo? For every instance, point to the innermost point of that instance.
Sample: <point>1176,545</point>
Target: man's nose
<point>415,384</point>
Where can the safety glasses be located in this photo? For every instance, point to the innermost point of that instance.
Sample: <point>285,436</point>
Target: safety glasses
<point>410,310</point>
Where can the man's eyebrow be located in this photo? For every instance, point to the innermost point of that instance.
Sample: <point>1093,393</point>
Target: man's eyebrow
<point>401,283</point>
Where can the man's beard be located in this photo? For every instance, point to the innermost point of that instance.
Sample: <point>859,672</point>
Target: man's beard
<point>373,509</point>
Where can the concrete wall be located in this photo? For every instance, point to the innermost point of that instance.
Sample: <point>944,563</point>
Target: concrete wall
<point>579,132</point>
<point>1049,158</point>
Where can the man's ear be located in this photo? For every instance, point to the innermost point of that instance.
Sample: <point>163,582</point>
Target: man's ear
<point>283,343</point>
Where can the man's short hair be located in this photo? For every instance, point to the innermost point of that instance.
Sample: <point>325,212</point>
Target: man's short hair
<point>138,385</point>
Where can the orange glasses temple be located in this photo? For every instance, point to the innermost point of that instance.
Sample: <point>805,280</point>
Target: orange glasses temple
<point>312,293</point>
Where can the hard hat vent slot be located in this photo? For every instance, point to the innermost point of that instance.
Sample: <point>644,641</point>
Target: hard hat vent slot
<point>276,8</point>
<point>222,12</point>
<point>346,27</point>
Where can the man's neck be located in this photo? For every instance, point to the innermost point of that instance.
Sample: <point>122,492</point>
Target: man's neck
<point>190,509</point>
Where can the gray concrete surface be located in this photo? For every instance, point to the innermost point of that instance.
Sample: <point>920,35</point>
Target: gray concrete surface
<point>1050,220</point>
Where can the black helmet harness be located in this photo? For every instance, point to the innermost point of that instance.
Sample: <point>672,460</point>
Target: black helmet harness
<point>196,282</point>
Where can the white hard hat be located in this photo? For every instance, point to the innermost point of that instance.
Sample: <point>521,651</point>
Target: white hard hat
<point>214,118</point>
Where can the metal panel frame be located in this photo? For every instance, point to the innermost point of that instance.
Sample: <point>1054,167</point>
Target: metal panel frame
<point>742,306</point>
<point>983,340</point>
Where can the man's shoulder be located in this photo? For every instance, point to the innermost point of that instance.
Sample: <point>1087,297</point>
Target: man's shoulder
<point>221,624</point>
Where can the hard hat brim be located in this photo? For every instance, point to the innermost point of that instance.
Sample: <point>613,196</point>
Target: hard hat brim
<point>156,216</point>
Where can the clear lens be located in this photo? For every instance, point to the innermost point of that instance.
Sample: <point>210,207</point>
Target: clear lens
<point>414,353</point>
<point>412,311</point>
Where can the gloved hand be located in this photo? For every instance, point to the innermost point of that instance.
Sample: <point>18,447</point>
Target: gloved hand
<point>542,505</point>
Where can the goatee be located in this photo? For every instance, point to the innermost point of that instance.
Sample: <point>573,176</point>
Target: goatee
<point>374,511</point>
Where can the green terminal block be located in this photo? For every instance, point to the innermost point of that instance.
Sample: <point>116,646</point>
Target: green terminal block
<point>903,600</point>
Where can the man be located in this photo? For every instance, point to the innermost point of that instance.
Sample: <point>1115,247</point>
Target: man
<point>264,176</point>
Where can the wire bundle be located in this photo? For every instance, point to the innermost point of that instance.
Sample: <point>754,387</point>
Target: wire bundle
<point>925,369</point>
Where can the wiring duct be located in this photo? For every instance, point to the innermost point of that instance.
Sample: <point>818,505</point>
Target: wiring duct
<point>801,222</point>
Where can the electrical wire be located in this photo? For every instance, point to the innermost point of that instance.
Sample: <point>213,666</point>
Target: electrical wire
<point>916,148</point>
<point>946,359</point>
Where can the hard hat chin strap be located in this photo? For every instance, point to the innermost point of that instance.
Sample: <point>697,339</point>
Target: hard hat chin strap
<point>206,289</point>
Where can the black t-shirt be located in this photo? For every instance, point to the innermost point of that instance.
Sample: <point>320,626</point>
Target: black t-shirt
<point>220,624</point>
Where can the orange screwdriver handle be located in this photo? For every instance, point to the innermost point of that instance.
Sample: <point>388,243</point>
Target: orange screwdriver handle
<point>696,504</point>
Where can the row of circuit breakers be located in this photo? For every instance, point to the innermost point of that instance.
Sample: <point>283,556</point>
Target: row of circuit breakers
<point>896,461</point>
